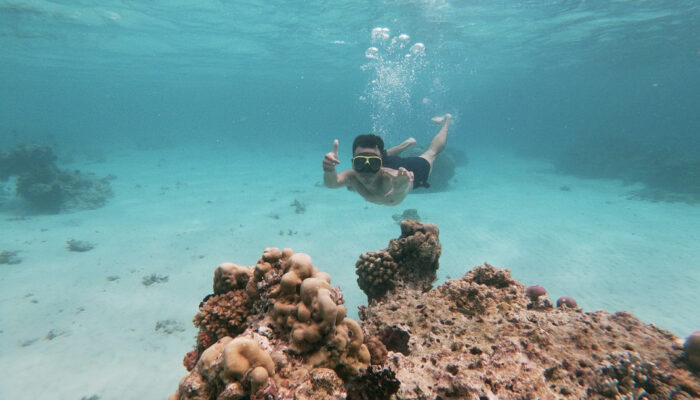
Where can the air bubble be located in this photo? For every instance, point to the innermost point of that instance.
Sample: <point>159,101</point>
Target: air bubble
<point>417,49</point>
<point>371,52</point>
<point>394,64</point>
<point>380,34</point>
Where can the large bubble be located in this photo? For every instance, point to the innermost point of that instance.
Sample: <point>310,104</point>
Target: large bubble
<point>380,34</point>
<point>417,49</point>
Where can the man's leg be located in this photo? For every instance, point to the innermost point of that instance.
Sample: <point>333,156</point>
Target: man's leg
<point>396,150</point>
<point>438,142</point>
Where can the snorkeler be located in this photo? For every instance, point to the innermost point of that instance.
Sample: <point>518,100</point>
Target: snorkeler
<point>381,176</point>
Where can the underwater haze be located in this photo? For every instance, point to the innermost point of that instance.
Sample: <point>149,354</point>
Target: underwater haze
<point>573,159</point>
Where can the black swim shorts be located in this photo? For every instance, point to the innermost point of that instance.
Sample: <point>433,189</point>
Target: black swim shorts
<point>418,165</point>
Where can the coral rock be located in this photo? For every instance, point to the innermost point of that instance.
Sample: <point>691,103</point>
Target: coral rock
<point>229,276</point>
<point>566,301</point>
<point>224,314</point>
<point>692,350</point>
<point>278,323</point>
<point>479,336</point>
<point>242,357</point>
<point>410,260</point>
<point>475,337</point>
<point>534,292</point>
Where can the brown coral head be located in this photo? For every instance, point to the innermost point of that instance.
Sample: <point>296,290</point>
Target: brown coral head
<point>410,227</point>
<point>271,254</point>
<point>534,292</point>
<point>566,301</point>
<point>229,276</point>
<point>300,264</point>
<point>692,350</point>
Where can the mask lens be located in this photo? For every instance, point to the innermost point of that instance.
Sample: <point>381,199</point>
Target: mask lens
<point>366,163</point>
<point>375,164</point>
<point>358,163</point>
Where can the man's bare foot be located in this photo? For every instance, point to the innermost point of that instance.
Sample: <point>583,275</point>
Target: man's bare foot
<point>408,143</point>
<point>396,150</point>
<point>442,119</point>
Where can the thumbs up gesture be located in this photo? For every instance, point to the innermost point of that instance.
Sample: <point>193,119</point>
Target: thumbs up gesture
<point>330,160</point>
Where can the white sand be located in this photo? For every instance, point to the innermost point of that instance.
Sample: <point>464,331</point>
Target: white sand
<point>181,213</point>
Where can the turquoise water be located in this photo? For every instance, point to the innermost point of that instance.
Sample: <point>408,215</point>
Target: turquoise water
<point>578,120</point>
<point>528,73</point>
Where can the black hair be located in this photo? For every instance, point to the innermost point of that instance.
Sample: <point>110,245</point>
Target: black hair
<point>369,140</point>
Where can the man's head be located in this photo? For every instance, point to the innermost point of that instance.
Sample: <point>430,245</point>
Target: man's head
<point>369,141</point>
<point>368,152</point>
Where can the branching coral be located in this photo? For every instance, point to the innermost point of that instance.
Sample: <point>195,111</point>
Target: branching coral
<point>224,314</point>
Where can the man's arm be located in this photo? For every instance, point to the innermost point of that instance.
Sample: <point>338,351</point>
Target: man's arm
<point>331,178</point>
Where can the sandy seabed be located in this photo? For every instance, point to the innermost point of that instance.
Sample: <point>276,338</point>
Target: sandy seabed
<point>75,325</point>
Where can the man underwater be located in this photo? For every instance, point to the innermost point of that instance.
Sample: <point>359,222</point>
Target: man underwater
<point>381,176</point>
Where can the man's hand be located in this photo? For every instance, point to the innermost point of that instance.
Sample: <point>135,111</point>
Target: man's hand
<point>402,173</point>
<point>330,160</point>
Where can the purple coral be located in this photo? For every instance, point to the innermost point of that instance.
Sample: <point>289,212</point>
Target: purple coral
<point>566,301</point>
<point>692,350</point>
<point>534,292</point>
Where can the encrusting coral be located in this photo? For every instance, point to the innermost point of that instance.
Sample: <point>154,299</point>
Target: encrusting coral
<point>481,336</point>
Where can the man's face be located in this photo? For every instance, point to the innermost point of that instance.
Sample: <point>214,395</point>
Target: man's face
<point>367,176</point>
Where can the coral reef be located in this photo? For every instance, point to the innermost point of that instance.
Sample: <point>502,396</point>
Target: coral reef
<point>271,330</point>
<point>9,257</point>
<point>566,301</point>
<point>154,278</point>
<point>486,336</point>
<point>79,246</point>
<point>299,207</point>
<point>410,260</point>
<point>277,330</point>
<point>692,350</point>
<point>48,189</point>
<point>669,174</point>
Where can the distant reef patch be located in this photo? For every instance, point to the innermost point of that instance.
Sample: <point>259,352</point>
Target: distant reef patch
<point>48,189</point>
<point>9,257</point>
<point>669,175</point>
